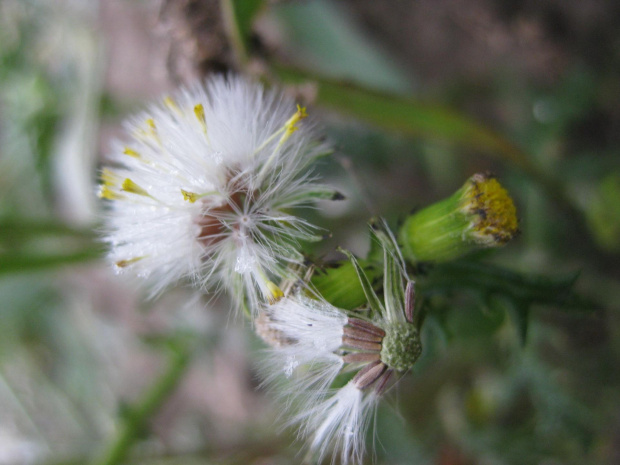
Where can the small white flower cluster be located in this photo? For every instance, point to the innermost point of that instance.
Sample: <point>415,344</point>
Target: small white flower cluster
<point>204,189</point>
<point>315,344</point>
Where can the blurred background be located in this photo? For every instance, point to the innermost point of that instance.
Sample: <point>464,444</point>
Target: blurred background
<point>416,96</point>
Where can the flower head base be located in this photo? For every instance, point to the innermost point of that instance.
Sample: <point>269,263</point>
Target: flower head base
<point>314,342</point>
<point>401,346</point>
<point>205,187</point>
<point>480,214</point>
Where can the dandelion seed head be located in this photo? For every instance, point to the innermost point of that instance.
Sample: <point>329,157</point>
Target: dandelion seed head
<point>199,190</point>
<point>315,342</point>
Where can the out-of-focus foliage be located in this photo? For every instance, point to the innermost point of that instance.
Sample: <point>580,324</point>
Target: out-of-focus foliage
<point>520,346</point>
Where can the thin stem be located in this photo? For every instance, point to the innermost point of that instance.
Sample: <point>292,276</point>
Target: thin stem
<point>231,28</point>
<point>153,399</point>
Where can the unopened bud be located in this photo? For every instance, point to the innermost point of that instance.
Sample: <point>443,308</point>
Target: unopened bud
<point>480,214</point>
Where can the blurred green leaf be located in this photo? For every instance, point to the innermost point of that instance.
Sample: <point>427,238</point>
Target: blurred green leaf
<point>13,227</point>
<point>603,213</point>
<point>321,35</point>
<point>520,291</point>
<point>31,245</point>
<point>416,118</point>
<point>245,12</point>
<point>340,285</point>
<point>492,279</point>
<point>237,16</point>
<point>26,263</point>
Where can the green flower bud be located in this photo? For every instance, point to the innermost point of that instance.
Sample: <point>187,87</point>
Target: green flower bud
<point>480,214</point>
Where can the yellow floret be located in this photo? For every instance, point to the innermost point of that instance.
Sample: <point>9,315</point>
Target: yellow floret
<point>130,186</point>
<point>494,211</point>
<point>132,153</point>
<point>276,292</point>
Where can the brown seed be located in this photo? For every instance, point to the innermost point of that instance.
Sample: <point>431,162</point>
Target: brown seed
<point>369,374</point>
<point>361,345</point>
<point>357,333</point>
<point>382,384</point>
<point>361,357</point>
<point>366,326</point>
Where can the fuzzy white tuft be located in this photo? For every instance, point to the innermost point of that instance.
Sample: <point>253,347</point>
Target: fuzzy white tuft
<point>310,335</point>
<point>339,423</point>
<point>311,324</point>
<point>204,187</point>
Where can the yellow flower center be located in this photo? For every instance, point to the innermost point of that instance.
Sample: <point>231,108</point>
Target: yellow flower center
<point>495,215</point>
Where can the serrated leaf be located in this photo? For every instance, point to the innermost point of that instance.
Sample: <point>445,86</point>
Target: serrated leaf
<point>494,279</point>
<point>520,290</point>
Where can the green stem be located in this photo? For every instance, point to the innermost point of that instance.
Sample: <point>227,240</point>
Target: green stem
<point>137,420</point>
<point>231,28</point>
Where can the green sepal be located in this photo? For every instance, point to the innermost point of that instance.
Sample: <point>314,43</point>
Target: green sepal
<point>393,276</point>
<point>436,233</point>
<point>376,308</point>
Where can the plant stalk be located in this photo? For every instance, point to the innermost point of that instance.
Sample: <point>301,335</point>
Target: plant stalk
<point>154,398</point>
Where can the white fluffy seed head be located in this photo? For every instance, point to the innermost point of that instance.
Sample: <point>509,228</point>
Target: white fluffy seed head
<point>204,187</point>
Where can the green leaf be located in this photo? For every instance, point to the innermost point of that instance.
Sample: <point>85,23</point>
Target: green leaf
<point>245,12</point>
<point>28,245</point>
<point>520,290</point>
<point>520,314</point>
<point>12,262</point>
<point>237,16</point>
<point>21,228</point>
<point>494,279</point>
<point>408,116</point>
<point>321,32</point>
